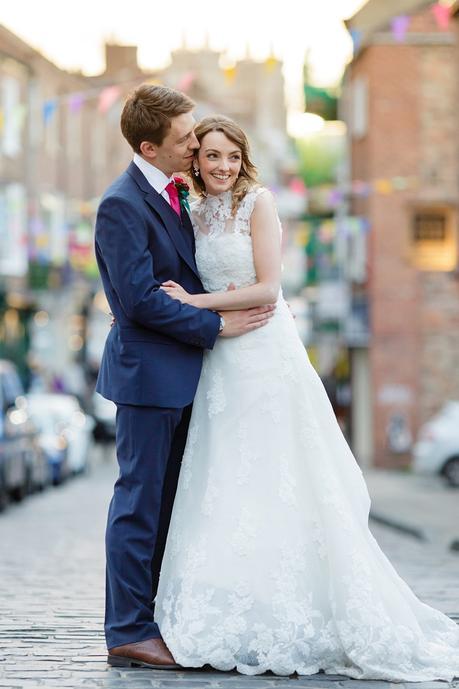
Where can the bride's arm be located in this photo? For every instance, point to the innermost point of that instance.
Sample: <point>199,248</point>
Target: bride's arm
<point>266,242</point>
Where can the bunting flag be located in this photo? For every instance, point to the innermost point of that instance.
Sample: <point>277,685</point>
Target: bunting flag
<point>336,197</point>
<point>356,37</point>
<point>399,27</point>
<point>75,102</point>
<point>108,97</point>
<point>442,15</point>
<point>383,186</point>
<point>19,113</point>
<point>186,81</point>
<point>49,108</point>
<point>359,188</point>
<point>297,186</point>
<point>271,63</point>
<point>229,74</point>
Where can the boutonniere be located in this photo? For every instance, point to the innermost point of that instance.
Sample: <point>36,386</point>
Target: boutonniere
<point>183,192</point>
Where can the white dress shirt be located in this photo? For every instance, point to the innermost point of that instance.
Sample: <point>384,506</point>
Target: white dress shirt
<point>155,177</point>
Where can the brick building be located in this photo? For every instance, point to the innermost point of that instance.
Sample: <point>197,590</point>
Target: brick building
<point>400,100</point>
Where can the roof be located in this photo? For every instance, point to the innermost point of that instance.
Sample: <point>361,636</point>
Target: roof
<point>376,15</point>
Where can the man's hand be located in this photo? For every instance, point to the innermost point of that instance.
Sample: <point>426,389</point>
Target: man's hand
<point>241,322</point>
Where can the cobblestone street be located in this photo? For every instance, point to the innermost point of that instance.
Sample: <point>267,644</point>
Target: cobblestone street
<point>51,593</point>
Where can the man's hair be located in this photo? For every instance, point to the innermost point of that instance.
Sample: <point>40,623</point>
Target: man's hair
<point>148,111</point>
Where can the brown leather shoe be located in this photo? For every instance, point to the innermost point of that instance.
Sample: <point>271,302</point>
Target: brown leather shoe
<point>151,653</point>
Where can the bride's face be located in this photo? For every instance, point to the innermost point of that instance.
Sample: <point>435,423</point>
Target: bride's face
<point>219,162</point>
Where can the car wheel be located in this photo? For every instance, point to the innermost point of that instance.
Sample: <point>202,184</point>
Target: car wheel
<point>451,471</point>
<point>29,486</point>
<point>3,496</point>
<point>18,493</point>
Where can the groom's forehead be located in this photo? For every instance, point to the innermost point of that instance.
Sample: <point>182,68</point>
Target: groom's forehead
<point>182,125</point>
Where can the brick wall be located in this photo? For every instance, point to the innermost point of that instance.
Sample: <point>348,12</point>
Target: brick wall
<point>412,103</point>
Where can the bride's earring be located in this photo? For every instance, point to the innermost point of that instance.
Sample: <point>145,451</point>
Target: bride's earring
<point>195,171</point>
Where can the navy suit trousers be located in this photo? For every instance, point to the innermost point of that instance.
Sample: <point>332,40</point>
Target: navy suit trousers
<point>149,444</point>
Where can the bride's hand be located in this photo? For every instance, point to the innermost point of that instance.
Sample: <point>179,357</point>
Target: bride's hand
<point>176,291</point>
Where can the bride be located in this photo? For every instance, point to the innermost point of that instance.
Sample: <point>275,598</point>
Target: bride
<point>269,563</point>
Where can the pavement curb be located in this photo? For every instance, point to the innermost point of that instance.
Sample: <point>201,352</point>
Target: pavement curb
<point>402,527</point>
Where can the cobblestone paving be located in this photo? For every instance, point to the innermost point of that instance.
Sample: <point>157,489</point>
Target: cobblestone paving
<point>51,597</point>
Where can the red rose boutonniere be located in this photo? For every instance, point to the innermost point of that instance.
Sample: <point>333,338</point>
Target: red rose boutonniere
<point>183,192</point>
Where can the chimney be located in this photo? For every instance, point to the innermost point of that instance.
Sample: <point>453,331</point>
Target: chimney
<point>120,58</point>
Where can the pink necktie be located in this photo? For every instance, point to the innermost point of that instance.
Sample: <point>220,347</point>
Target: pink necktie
<point>174,197</point>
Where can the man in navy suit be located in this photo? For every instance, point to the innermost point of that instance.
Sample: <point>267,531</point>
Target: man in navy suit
<point>152,358</point>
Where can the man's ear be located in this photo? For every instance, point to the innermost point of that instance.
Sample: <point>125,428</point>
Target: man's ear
<point>148,150</point>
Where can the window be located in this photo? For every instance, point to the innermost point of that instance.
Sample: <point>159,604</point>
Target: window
<point>434,238</point>
<point>359,108</point>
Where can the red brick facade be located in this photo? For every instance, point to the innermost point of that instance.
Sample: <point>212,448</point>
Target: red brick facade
<point>411,133</point>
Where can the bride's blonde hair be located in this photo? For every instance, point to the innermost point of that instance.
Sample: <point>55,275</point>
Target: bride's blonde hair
<point>247,178</point>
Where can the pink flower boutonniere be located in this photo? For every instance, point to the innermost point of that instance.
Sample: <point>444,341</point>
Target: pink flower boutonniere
<point>183,192</point>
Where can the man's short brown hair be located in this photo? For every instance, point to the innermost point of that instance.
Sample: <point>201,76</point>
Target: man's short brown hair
<point>148,111</point>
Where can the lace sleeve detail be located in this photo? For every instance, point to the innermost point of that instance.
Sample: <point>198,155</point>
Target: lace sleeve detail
<point>245,209</point>
<point>196,217</point>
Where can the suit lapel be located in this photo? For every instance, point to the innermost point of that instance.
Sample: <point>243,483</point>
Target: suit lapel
<point>189,232</point>
<point>168,217</point>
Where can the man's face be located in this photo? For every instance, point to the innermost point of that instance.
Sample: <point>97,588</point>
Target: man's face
<point>176,152</point>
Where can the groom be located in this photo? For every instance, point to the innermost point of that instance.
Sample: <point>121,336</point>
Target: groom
<point>152,358</point>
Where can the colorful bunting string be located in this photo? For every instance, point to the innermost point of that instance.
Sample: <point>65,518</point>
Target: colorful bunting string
<point>400,24</point>
<point>332,196</point>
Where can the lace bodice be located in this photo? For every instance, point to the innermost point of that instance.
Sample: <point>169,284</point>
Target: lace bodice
<point>223,242</point>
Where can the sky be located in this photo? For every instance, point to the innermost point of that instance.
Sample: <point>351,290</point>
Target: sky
<point>72,34</point>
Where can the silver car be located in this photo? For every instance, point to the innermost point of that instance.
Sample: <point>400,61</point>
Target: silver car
<point>436,450</point>
<point>23,467</point>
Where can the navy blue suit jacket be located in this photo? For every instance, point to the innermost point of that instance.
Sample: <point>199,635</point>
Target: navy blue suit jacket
<point>153,354</point>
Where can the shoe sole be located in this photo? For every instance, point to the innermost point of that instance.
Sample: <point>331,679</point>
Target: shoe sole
<point>122,661</point>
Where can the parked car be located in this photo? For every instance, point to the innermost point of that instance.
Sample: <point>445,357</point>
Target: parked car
<point>104,413</point>
<point>436,450</point>
<point>23,466</point>
<point>66,431</point>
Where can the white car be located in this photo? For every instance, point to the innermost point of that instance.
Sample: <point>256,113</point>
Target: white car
<point>104,413</point>
<point>70,421</point>
<point>437,448</point>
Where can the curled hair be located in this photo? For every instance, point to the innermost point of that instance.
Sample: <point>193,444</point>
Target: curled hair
<point>148,111</point>
<point>247,178</point>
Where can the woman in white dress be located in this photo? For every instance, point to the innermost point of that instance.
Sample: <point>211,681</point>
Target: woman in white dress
<point>269,563</point>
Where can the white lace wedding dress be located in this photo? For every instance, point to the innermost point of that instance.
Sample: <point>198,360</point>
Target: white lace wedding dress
<point>269,563</point>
